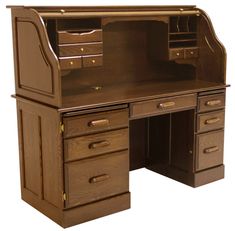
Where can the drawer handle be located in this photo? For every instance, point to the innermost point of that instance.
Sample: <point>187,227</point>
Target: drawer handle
<point>213,102</point>
<point>100,144</point>
<point>98,123</point>
<point>97,179</point>
<point>212,120</point>
<point>211,149</point>
<point>166,105</point>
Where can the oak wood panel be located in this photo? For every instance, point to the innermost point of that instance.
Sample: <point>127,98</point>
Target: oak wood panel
<point>209,150</point>
<point>96,144</point>
<point>210,121</point>
<point>162,106</point>
<point>40,151</point>
<point>37,72</point>
<point>111,172</point>
<point>211,102</point>
<point>89,123</point>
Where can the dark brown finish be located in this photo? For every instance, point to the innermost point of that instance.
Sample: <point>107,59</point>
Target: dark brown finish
<point>210,121</point>
<point>92,145</point>
<point>162,106</point>
<point>113,84</point>
<point>211,102</point>
<point>95,179</point>
<point>79,36</point>
<point>209,150</point>
<point>95,122</point>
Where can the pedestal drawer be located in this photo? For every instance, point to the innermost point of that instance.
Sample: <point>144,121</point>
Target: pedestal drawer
<point>95,122</point>
<point>161,106</point>
<point>92,145</point>
<point>210,121</point>
<point>211,102</point>
<point>96,178</point>
<point>209,150</point>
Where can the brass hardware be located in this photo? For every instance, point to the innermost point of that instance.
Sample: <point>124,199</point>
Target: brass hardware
<point>93,60</point>
<point>213,102</point>
<point>191,52</point>
<point>62,11</point>
<point>211,149</point>
<point>99,178</point>
<point>97,88</point>
<point>82,49</point>
<point>98,123</point>
<point>61,127</point>
<point>166,105</point>
<point>177,54</point>
<point>212,120</point>
<point>71,62</point>
<point>100,144</point>
<point>181,9</point>
<point>64,197</point>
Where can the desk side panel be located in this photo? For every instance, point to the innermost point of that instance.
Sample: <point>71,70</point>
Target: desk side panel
<point>37,71</point>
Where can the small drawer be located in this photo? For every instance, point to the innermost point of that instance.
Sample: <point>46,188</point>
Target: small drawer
<point>209,150</point>
<point>92,60</point>
<point>211,102</point>
<point>162,106</point>
<point>97,178</point>
<point>70,62</point>
<point>210,121</point>
<point>97,144</point>
<point>190,53</point>
<point>80,49</point>
<point>176,54</point>
<point>79,36</point>
<point>95,122</point>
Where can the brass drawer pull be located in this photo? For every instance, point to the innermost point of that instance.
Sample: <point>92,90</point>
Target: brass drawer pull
<point>98,123</point>
<point>211,149</point>
<point>166,105</point>
<point>97,179</point>
<point>213,102</point>
<point>100,144</point>
<point>212,120</point>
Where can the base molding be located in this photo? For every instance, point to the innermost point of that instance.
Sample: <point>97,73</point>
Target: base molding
<point>80,214</point>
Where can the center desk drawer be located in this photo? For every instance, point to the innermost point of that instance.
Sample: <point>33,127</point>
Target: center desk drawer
<point>92,145</point>
<point>97,178</point>
<point>95,122</point>
<point>163,105</point>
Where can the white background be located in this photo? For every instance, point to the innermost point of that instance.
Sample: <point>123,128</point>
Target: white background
<point>158,203</point>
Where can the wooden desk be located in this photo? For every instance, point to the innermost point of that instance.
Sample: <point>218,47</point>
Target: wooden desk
<point>102,91</point>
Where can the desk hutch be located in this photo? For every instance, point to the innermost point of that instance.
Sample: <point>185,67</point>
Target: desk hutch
<point>102,91</point>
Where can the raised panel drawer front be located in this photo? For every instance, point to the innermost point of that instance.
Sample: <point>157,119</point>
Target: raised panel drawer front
<point>163,105</point>
<point>209,150</point>
<point>92,145</point>
<point>80,49</point>
<point>95,122</point>
<point>79,36</point>
<point>210,121</point>
<point>97,178</point>
<point>211,102</point>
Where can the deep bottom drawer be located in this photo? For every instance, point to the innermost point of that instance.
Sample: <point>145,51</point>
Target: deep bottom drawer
<point>209,150</point>
<point>96,178</point>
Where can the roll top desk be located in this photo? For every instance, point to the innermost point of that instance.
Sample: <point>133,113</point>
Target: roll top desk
<point>102,91</point>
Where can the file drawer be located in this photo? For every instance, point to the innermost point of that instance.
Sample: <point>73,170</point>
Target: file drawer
<point>161,106</point>
<point>96,122</point>
<point>97,178</point>
<point>80,49</point>
<point>211,102</point>
<point>209,150</point>
<point>79,36</point>
<point>210,121</point>
<point>92,145</point>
